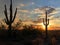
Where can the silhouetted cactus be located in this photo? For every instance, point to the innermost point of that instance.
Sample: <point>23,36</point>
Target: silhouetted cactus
<point>11,19</point>
<point>46,23</point>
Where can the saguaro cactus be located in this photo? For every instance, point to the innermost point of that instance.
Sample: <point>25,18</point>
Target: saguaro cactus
<point>46,23</point>
<point>11,19</point>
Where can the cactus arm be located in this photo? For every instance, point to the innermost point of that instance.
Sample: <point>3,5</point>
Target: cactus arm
<point>11,11</point>
<point>14,15</point>
<point>48,22</point>
<point>43,22</point>
<point>7,22</point>
<point>5,12</point>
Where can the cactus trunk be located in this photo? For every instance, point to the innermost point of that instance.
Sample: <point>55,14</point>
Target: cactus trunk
<point>9,27</point>
<point>46,23</point>
<point>46,26</point>
<point>9,31</point>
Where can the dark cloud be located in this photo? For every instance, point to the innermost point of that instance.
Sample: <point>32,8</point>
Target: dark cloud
<point>48,9</point>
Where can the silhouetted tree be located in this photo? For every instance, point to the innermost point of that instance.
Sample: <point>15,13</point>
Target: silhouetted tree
<point>2,26</point>
<point>19,23</point>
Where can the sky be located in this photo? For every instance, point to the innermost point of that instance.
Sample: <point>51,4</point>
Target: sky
<point>30,10</point>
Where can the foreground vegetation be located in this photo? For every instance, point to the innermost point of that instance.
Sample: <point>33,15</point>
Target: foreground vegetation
<point>29,36</point>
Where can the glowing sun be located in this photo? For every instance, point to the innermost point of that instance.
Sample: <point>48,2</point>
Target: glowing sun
<point>43,26</point>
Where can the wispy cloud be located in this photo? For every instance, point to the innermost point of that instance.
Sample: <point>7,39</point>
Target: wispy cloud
<point>55,13</point>
<point>24,11</point>
<point>25,4</point>
<point>22,5</point>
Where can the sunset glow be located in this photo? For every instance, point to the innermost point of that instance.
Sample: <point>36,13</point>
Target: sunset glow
<point>32,10</point>
<point>49,26</point>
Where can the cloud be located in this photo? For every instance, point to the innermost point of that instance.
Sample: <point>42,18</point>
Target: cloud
<point>54,14</point>
<point>24,11</point>
<point>41,16</point>
<point>25,4</point>
<point>56,11</point>
<point>43,9</point>
<point>32,3</point>
<point>37,11</point>
<point>22,5</point>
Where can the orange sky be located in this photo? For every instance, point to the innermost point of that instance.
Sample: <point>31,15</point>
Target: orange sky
<point>34,10</point>
<point>51,26</point>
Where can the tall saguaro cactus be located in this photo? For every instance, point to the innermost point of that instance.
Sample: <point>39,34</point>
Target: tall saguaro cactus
<point>46,23</point>
<point>12,17</point>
